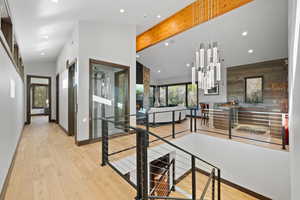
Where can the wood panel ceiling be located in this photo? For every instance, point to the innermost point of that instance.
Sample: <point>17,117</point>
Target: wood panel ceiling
<point>196,13</point>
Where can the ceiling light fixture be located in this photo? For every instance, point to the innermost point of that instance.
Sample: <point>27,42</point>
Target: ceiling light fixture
<point>55,1</point>
<point>245,33</point>
<point>166,44</point>
<point>158,16</point>
<point>158,71</point>
<point>250,51</point>
<point>137,55</point>
<point>45,37</point>
<point>188,65</point>
<point>42,53</point>
<point>122,10</point>
<point>207,66</point>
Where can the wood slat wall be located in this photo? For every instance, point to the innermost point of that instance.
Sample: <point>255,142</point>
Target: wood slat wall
<point>190,16</point>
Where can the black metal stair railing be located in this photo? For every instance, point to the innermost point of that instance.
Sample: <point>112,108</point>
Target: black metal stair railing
<point>135,166</point>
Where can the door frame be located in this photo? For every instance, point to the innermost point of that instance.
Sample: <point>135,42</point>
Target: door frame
<point>57,98</point>
<point>69,66</point>
<point>28,95</point>
<point>109,64</point>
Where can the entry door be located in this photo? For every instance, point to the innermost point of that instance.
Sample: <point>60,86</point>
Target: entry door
<point>72,103</point>
<point>111,84</point>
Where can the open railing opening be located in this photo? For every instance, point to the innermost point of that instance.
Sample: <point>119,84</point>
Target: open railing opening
<point>155,166</point>
<point>148,150</point>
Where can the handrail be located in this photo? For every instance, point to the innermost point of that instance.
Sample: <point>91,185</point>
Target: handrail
<point>142,144</point>
<point>164,140</point>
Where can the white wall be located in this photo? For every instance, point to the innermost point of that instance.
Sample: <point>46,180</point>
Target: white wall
<point>11,113</point>
<point>44,69</point>
<point>294,82</point>
<point>113,43</point>
<point>68,53</point>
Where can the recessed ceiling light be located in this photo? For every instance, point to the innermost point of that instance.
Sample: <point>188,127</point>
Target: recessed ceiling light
<point>166,44</point>
<point>54,1</point>
<point>122,10</point>
<point>137,55</point>
<point>45,37</point>
<point>250,51</point>
<point>42,53</point>
<point>245,33</point>
<point>158,71</point>
<point>158,16</point>
<point>188,65</point>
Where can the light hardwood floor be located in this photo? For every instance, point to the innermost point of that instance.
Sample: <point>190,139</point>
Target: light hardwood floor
<point>49,166</point>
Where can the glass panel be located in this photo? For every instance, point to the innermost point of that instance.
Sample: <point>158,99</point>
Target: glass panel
<point>192,95</point>
<point>139,96</point>
<point>110,86</point>
<point>162,96</point>
<point>40,97</point>
<point>176,95</point>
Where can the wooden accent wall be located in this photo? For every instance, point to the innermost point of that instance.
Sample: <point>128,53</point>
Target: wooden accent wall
<point>190,16</point>
<point>275,85</point>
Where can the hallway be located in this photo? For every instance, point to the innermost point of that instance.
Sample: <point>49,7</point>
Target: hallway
<point>49,166</point>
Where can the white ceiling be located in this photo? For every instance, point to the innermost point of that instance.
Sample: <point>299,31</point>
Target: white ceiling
<point>266,22</point>
<point>36,19</point>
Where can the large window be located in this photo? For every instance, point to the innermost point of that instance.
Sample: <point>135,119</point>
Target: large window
<point>192,95</point>
<point>163,96</point>
<point>177,95</point>
<point>151,96</point>
<point>40,96</point>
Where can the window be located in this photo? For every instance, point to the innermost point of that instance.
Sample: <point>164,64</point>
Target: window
<point>151,96</point>
<point>177,95</point>
<point>192,95</point>
<point>40,96</point>
<point>163,96</point>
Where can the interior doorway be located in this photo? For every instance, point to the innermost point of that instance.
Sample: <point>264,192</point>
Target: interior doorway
<point>72,101</point>
<point>110,83</point>
<point>38,97</point>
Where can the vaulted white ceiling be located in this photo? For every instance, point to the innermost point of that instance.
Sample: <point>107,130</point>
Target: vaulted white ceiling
<point>265,21</point>
<point>44,26</point>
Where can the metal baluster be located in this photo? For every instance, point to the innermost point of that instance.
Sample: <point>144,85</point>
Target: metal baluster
<point>173,124</point>
<point>104,142</point>
<point>193,178</point>
<point>219,184</point>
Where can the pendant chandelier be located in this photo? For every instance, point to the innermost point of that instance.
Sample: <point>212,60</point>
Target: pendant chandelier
<point>207,64</point>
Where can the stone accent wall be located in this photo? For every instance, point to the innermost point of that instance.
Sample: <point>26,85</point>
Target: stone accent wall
<point>275,84</point>
<point>146,79</point>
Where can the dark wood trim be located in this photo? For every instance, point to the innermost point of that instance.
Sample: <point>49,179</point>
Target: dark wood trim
<point>29,77</point>
<point>238,187</point>
<point>8,175</point>
<point>42,114</point>
<point>72,109</point>
<point>91,62</point>
<point>64,130</point>
<point>57,98</point>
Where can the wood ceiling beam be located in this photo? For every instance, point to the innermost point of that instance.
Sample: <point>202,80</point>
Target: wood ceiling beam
<point>189,17</point>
